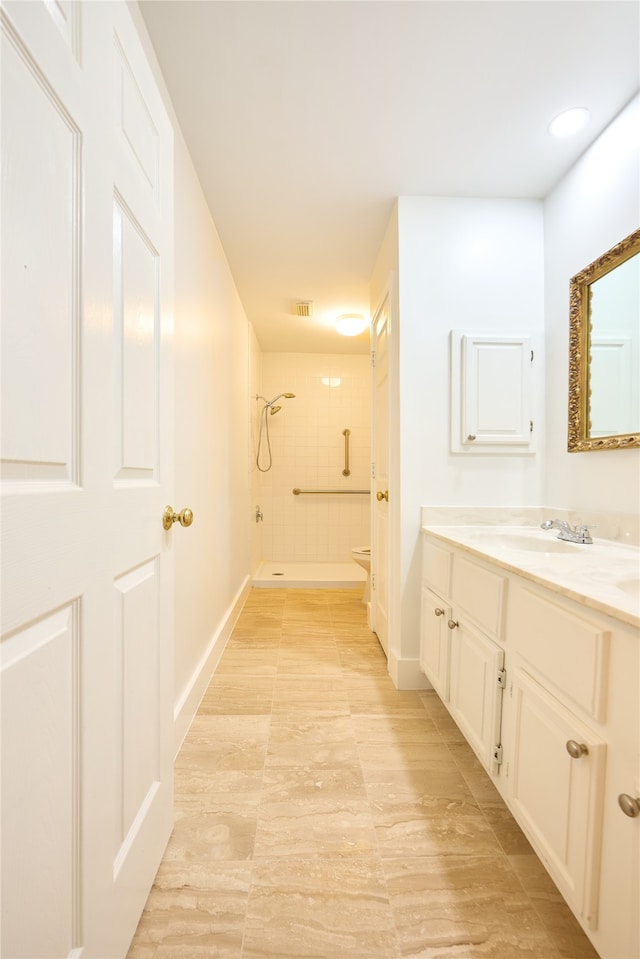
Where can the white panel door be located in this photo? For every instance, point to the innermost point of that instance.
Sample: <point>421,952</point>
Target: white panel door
<point>87,613</point>
<point>380,481</point>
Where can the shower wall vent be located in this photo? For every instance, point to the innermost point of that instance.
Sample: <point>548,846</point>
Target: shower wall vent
<point>303,308</point>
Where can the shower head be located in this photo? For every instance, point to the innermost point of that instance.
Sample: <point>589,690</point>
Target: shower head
<point>274,409</point>
<point>287,396</point>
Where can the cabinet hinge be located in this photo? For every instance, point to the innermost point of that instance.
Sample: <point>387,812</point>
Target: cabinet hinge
<point>373,581</point>
<point>531,426</point>
<point>497,754</point>
<point>502,678</point>
<point>531,356</point>
<point>373,470</point>
<point>373,359</point>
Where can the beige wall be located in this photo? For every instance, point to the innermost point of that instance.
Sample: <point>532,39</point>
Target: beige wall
<point>463,264</point>
<point>595,206</point>
<point>211,343</point>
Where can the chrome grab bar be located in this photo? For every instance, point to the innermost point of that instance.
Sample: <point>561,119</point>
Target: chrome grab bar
<point>346,471</point>
<point>303,492</point>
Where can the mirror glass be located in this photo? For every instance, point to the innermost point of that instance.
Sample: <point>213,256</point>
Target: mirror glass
<point>604,351</point>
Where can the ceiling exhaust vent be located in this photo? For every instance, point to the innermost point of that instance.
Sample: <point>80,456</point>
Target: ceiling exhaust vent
<point>303,308</point>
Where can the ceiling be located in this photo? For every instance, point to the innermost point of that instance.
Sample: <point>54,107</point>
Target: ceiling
<point>305,120</point>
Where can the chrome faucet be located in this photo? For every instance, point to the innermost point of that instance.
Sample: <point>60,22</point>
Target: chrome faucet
<point>572,534</point>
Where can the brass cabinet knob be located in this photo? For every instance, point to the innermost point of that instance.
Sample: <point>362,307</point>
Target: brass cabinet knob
<point>169,517</point>
<point>629,805</point>
<point>438,611</point>
<point>452,623</point>
<point>576,750</point>
<point>380,495</point>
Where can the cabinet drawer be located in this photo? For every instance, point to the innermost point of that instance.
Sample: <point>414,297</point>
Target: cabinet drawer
<point>436,566</point>
<point>480,593</point>
<point>569,649</point>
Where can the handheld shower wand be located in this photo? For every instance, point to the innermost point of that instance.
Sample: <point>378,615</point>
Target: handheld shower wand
<point>264,426</point>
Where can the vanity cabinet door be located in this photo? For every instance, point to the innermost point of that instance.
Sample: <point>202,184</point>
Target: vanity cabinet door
<point>475,693</point>
<point>557,770</point>
<point>434,641</point>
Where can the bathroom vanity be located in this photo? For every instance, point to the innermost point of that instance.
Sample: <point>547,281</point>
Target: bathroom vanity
<point>533,646</point>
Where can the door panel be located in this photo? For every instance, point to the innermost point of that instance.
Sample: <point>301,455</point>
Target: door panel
<point>140,721</point>
<point>41,699</point>
<point>136,314</point>
<point>40,276</point>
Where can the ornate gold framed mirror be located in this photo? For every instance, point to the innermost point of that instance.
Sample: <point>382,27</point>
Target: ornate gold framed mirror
<point>604,351</point>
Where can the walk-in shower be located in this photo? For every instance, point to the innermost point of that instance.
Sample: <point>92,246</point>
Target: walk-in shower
<point>263,432</point>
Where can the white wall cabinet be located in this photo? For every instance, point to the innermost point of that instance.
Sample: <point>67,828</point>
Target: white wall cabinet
<point>545,691</point>
<point>492,394</point>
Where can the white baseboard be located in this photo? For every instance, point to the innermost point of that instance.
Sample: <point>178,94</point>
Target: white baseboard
<point>187,705</point>
<point>406,673</point>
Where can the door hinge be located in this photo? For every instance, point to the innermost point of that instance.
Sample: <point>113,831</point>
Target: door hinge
<point>502,678</point>
<point>497,754</point>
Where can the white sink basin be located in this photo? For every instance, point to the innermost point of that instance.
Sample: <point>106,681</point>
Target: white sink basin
<point>535,541</point>
<point>630,586</point>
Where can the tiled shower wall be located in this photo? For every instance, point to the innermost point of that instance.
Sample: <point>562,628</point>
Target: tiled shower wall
<point>333,393</point>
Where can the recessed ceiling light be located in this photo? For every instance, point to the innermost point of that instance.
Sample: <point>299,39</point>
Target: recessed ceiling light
<point>569,122</point>
<point>351,324</point>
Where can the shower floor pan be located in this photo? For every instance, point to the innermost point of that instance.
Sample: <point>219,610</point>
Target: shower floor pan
<point>272,575</point>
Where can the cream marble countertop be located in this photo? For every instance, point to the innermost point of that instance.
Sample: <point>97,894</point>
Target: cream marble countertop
<point>604,575</point>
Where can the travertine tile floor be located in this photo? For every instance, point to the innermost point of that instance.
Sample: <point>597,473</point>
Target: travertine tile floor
<point>320,812</point>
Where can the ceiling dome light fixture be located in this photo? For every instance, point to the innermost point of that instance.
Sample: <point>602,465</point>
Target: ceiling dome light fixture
<point>351,324</point>
<point>569,122</point>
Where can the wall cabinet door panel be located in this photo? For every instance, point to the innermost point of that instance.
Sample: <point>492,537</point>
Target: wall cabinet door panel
<point>491,393</point>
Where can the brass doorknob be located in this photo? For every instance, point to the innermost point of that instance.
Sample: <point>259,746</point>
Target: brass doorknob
<point>169,517</point>
<point>629,805</point>
<point>380,495</point>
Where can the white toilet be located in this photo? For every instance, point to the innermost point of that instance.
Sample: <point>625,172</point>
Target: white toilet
<point>362,556</point>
